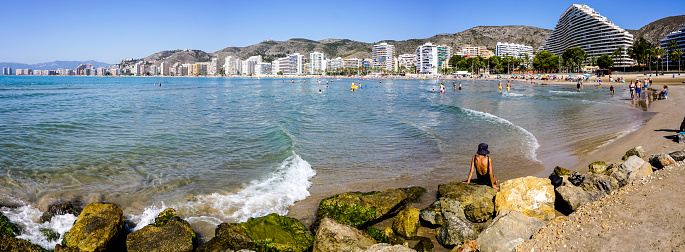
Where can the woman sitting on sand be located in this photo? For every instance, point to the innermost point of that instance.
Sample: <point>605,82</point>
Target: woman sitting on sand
<point>483,165</point>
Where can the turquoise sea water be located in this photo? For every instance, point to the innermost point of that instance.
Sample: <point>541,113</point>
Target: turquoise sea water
<point>225,149</point>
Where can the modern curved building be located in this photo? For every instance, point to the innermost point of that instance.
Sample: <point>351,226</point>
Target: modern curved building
<point>581,26</point>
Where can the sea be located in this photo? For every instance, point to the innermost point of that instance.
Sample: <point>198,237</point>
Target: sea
<point>227,149</point>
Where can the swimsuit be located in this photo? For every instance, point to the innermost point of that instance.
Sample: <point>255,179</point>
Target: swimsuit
<point>485,178</point>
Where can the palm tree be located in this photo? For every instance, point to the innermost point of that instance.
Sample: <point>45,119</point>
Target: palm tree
<point>660,52</point>
<point>678,53</point>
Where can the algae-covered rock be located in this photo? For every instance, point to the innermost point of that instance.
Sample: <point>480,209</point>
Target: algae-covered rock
<point>168,233</point>
<point>406,222</point>
<point>383,247</point>
<point>360,209</point>
<point>599,167</point>
<point>59,209</point>
<point>49,234</point>
<point>60,248</point>
<point>12,244</point>
<point>332,236</point>
<point>635,151</point>
<point>561,171</point>
<point>7,228</point>
<point>436,213</point>
<point>228,237</point>
<point>278,233</point>
<point>529,195</point>
<point>99,227</point>
<point>420,244</point>
<point>477,200</point>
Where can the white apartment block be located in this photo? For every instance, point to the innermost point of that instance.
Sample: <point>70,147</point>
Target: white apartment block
<point>352,63</point>
<point>335,64</point>
<point>679,38</point>
<point>382,56</point>
<point>513,50</point>
<point>232,65</point>
<point>475,51</point>
<point>289,65</point>
<point>406,60</point>
<point>317,63</point>
<point>262,69</point>
<point>431,58</point>
<point>581,26</point>
<point>164,68</point>
<point>213,67</point>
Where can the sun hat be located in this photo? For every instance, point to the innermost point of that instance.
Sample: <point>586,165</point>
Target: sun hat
<point>483,149</point>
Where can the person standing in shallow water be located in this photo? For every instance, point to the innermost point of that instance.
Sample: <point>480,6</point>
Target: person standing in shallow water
<point>483,166</point>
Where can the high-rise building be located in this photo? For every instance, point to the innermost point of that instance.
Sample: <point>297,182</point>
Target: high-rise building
<point>406,61</point>
<point>679,38</point>
<point>581,26</point>
<point>513,50</point>
<point>289,65</point>
<point>474,51</point>
<point>352,63</point>
<point>213,67</point>
<point>232,65</point>
<point>4,71</point>
<point>316,63</point>
<point>79,69</point>
<point>382,56</point>
<point>262,69</point>
<point>164,68</point>
<point>335,64</point>
<point>431,58</point>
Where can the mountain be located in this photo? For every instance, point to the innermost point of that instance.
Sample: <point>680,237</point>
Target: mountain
<point>54,65</point>
<point>657,30</point>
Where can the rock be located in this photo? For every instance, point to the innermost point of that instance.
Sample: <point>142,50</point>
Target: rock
<point>477,200</point>
<point>384,247</point>
<point>529,195</point>
<point>435,213</point>
<point>508,230</point>
<point>681,138</point>
<point>598,182</point>
<point>561,171</point>
<point>99,227</point>
<point>660,161</point>
<point>12,244</point>
<point>599,167</point>
<point>678,155</point>
<point>168,233</point>
<point>636,151</point>
<point>332,236</point>
<point>7,228</point>
<point>278,233</point>
<point>228,236</point>
<point>569,198</point>
<point>455,232</point>
<point>633,168</point>
<point>576,179</point>
<point>49,234</point>
<point>469,246</point>
<point>406,222</point>
<point>612,167</point>
<point>59,209</point>
<point>60,248</point>
<point>361,209</point>
<point>420,244</point>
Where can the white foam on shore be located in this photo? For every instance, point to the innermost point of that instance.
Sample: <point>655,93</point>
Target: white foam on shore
<point>288,184</point>
<point>511,94</point>
<point>565,92</point>
<point>28,219</point>
<point>530,141</point>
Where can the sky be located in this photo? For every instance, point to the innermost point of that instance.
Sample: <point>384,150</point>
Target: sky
<point>110,31</point>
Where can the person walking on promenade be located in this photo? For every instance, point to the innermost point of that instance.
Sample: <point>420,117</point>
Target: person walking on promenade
<point>482,163</point>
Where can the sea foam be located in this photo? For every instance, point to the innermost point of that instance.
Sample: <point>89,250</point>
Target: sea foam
<point>28,219</point>
<point>530,141</point>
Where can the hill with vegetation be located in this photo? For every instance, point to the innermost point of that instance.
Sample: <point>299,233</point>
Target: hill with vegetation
<point>657,30</point>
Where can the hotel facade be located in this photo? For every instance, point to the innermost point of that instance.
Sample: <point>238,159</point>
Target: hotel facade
<point>581,26</point>
<point>382,56</point>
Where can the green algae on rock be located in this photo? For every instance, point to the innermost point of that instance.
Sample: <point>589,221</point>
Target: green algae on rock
<point>407,222</point>
<point>278,233</point>
<point>477,200</point>
<point>168,233</point>
<point>12,244</point>
<point>99,227</point>
<point>7,228</point>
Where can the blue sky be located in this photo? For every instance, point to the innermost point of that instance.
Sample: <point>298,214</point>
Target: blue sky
<point>109,31</point>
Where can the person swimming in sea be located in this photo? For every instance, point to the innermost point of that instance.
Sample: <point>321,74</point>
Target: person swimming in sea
<point>500,86</point>
<point>482,163</point>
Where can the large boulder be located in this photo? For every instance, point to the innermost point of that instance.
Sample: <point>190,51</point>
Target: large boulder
<point>477,200</point>
<point>7,228</point>
<point>12,244</point>
<point>228,237</point>
<point>660,161</point>
<point>633,168</point>
<point>508,230</point>
<point>333,236</point>
<point>599,167</point>
<point>636,151</point>
<point>168,233</point>
<point>361,209</point>
<point>678,155</point>
<point>436,213</point>
<point>600,183</point>
<point>455,232</point>
<point>420,244</point>
<point>407,223</point>
<point>569,198</point>
<point>529,195</point>
<point>99,227</point>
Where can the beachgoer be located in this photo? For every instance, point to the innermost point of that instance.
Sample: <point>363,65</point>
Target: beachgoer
<point>632,90</point>
<point>482,163</point>
<point>611,89</point>
<point>638,90</point>
<point>508,86</point>
<point>682,126</point>
<point>578,86</point>
<point>459,85</point>
<point>500,86</point>
<point>664,93</point>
